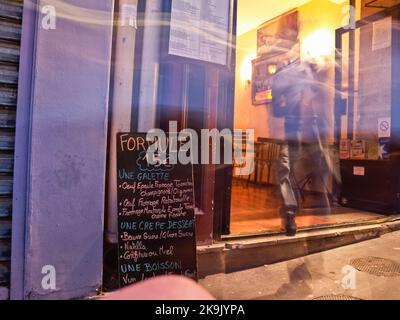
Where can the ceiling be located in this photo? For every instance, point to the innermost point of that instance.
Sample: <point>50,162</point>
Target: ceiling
<point>252,13</point>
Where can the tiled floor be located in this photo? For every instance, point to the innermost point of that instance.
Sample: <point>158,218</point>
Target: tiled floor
<point>256,209</point>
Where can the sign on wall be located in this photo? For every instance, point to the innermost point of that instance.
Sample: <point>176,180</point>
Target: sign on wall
<point>156,222</point>
<point>384,127</point>
<point>200,30</point>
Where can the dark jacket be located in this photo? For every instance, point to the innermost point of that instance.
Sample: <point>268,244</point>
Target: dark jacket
<point>289,85</point>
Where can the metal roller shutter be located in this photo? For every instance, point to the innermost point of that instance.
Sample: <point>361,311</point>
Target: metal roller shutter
<point>10,35</point>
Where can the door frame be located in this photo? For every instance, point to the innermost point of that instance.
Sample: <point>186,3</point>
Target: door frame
<point>225,120</point>
<point>341,105</point>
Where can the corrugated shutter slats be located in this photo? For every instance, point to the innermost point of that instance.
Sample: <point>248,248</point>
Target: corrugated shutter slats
<point>10,35</point>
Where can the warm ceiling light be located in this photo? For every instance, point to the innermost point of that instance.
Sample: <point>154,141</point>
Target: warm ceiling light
<point>318,44</point>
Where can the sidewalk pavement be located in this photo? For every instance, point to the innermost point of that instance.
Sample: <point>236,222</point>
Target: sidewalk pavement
<point>314,276</point>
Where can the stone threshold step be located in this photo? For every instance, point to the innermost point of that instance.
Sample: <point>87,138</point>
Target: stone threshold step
<point>241,254</point>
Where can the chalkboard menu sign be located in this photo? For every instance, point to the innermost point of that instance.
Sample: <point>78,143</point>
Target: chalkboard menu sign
<point>156,222</point>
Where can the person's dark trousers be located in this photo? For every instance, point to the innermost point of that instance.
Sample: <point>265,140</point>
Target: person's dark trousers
<point>289,154</point>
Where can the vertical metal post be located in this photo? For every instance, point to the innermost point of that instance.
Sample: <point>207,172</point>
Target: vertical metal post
<point>351,98</point>
<point>121,103</point>
<point>147,109</point>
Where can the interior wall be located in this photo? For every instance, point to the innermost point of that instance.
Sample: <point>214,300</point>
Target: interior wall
<point>327,16</point>
<point>246,115</point>
<point>314,16</point>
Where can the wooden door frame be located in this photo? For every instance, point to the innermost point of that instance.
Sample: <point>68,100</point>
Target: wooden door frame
<point>218,113</point>
<point>224,119</point>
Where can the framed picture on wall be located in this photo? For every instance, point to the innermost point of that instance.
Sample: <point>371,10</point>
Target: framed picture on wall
<point>261,81</point>
<point>279,35</point>
<point>275,38</point>
<point>263,71</point>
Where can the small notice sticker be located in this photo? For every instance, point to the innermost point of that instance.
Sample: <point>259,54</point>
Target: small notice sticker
<point>359,171</point>
<point>344,149</point>
<point>129,15</point>
<point>384,127</point>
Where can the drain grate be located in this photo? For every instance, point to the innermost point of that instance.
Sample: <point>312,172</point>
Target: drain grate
<point>336,297</point>
<point>377,266</point>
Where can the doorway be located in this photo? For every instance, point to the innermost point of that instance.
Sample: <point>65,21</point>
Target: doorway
<point>264,40</point>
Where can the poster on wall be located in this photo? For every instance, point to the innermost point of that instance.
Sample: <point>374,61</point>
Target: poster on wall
<point>156,222</point>
<point>200,30</point>
<point>358,150</point>
<point>344,149</point>
<point>279,35</point>
<point>382,34</point>
<point>384,149</point>
<point>262,81</point>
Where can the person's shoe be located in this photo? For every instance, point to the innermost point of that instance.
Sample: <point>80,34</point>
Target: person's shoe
<point>290,224</point>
